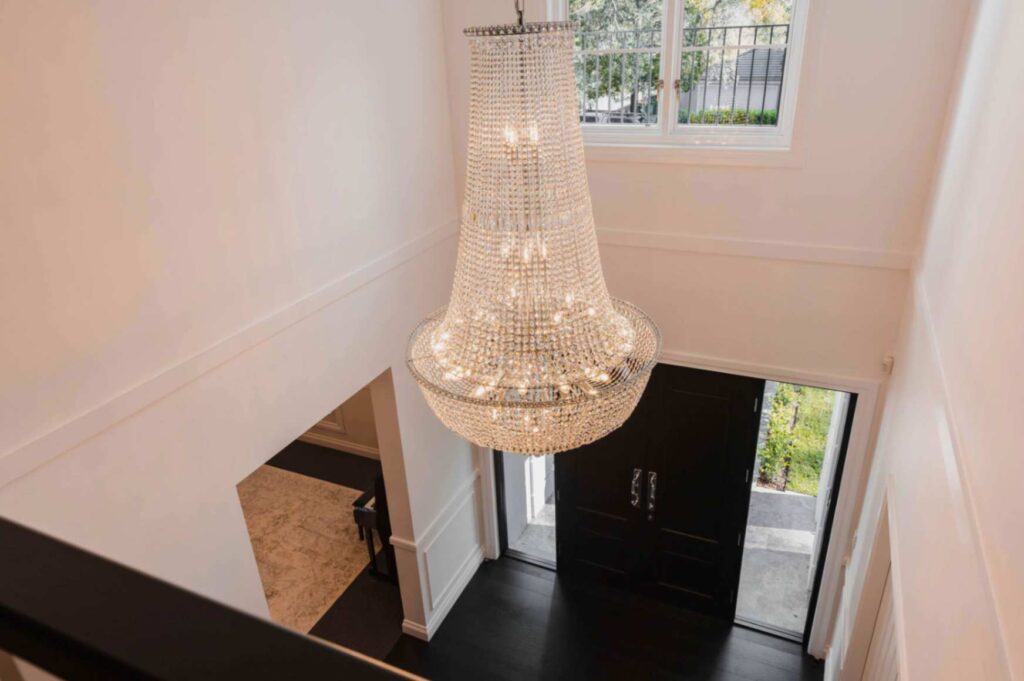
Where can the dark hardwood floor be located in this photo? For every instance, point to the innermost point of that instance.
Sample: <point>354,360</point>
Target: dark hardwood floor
<point>518,621</point>
<point>367,617</point>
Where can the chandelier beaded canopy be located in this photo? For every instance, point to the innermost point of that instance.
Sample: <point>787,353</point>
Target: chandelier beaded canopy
<point>531,355</point>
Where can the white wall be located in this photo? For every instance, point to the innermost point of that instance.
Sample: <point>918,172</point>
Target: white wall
<point>220,221</point>
<point>800,263</point>
<point>793,268</point>
<point>949,453</point>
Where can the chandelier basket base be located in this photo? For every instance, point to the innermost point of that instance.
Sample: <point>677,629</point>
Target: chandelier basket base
<point>538,428</point>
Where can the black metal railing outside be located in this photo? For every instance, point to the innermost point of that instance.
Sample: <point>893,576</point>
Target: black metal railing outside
<point>728,75</point>
<point>617,76</point>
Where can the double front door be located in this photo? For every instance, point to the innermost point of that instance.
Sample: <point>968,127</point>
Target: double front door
<point>660,504</point>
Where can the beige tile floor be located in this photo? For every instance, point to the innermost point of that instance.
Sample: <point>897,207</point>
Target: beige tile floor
<point>306,544</point>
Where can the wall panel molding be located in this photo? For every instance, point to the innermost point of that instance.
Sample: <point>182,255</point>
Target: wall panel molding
<point>28,455</point>
<point>454,537</point>
<point>462,494</point>
<point>961,484</point>
<point>749,248</point>
<point>342,445</point>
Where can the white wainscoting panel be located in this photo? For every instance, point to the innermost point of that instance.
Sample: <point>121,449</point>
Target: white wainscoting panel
<point>449,553</point>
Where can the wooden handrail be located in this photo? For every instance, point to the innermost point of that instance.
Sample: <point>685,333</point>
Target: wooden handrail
<point>81,616</point>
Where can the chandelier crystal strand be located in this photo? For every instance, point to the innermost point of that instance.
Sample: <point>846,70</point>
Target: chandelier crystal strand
<point>531,355</point>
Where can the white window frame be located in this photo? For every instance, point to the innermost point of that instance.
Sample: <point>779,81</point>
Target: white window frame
<point>669,133</point>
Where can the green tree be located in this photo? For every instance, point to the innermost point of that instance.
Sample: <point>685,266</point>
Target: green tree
<point>770,11</point>
<point>625,24</point>
<point>810,436</point>
<point>794,446</point>
<point>775,451</point>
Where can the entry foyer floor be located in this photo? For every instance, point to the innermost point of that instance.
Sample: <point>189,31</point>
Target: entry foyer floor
<point>518,621</point>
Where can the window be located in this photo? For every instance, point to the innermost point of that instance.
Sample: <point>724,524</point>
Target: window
<point>687,72</point>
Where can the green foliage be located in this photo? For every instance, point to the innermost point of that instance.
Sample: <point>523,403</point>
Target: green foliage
<point>719,12</point>
<point>775,450</point>
<point>616,15</point>
<point>628,24</point>
<point>735,117</point>
<point>794,446</point>
<point>770,11</point>
<point>811,435</point>
<point>615,25</point>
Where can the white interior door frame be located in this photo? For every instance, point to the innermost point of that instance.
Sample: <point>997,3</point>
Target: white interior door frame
<point>826,481</point>
<point>488,502</point>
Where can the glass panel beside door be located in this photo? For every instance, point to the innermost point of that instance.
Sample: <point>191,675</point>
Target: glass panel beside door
<point>800,446</point>
<point>528,491</point>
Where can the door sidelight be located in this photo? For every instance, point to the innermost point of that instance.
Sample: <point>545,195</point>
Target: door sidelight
<point>652,488</point>
<point>634,488</point>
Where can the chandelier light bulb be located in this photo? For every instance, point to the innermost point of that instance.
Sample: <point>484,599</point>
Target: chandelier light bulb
<point>531,354</point>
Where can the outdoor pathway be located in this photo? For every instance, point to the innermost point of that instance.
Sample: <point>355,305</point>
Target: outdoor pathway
<point>538,537</point>
<point>775,579</point>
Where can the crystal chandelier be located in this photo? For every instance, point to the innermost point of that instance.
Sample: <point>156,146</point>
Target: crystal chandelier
<point>531,355</point>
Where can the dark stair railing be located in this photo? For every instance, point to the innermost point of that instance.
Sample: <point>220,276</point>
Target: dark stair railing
<point>81,616</point>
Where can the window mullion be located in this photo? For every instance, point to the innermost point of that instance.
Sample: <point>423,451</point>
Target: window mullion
<point>669,66</point>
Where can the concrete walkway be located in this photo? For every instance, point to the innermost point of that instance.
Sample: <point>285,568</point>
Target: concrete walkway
<point>538,537</point>
<point>774,584</point>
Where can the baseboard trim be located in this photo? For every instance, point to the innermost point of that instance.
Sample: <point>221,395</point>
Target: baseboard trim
<point>36,451</point>
<point>415,629</point>
<point>750,248</point>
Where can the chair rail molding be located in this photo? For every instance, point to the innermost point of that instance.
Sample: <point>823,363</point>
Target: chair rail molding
<point>751,248</point>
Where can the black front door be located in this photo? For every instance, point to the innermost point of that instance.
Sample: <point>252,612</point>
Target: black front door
<point>660,504</point>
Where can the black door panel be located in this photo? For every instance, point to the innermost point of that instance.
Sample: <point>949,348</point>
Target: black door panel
<point>598,527</point>
<point>697,432</point>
